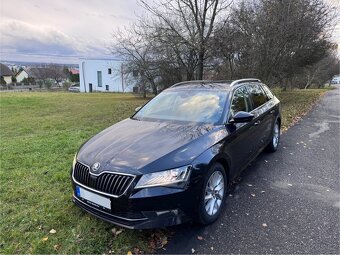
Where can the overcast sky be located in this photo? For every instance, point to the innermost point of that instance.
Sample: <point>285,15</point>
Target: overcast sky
<point>65,30</point>
<point>43,30</point>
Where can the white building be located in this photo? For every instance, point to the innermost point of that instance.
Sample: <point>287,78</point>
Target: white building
<point>21,75</point>
<point>102,75</point>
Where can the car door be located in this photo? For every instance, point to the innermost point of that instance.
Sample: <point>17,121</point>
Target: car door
<point>263,117</point>
<point>239,146</point>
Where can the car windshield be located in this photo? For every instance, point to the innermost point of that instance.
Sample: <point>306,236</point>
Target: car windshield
<point>204,106</point>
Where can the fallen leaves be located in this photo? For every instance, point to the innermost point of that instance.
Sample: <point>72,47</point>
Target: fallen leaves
<point>157,240</point>
<point>45,239</point>
<point>264,225</point>
<point>53,231</point>
<point>56,247</point>
<point>252,194</point>
<point>116,232</point>
<point>129,253</point>
<point>192,250</point>
<point>290,185</point>
<point>200,238</point>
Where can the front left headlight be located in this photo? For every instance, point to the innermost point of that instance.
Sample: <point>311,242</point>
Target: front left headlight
<point>177,177</point>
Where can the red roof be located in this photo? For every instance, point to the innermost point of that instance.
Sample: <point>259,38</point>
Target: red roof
<point>74,71</point>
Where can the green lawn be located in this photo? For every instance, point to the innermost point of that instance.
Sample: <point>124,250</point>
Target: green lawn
<point>40,132</point>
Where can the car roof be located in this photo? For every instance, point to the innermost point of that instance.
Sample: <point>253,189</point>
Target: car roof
<point>212,84</point>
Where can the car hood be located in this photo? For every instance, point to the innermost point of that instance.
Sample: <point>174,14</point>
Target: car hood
<point>139,147</point>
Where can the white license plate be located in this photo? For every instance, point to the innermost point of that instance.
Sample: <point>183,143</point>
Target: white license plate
<point>94,198</point>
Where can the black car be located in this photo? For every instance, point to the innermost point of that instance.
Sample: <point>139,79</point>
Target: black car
<point>173,160</point>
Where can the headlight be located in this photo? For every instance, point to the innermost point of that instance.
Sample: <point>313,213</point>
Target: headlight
<point>74,161</point>
<point>175,178</point>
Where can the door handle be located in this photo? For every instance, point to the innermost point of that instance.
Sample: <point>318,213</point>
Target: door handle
<point>257,122</point>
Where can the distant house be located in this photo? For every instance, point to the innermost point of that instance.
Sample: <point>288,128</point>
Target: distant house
<point>73,70</point>
<point>6,73</point>
<point>102,75</point>
<point>22,74</point>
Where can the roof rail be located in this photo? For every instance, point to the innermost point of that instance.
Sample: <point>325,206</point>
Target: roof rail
<point>243,81</point>
<point>201,81</point>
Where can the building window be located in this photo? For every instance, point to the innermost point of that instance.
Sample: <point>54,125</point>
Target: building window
<point>107,87</point>
<point>109,71</point>
<point>99,78</point>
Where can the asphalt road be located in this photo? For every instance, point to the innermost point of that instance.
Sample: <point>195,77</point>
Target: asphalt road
<point>286,202</point>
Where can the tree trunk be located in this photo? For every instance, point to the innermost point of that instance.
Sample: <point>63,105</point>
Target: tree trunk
<point>143,88</point>
<point>200,66</point>
<point>154,90</point>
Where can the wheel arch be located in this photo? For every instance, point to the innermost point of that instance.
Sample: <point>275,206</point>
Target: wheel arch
<point>224,162</point>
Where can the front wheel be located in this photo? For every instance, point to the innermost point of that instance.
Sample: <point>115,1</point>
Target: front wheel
<point>274,143</point>
<point>213,194</point>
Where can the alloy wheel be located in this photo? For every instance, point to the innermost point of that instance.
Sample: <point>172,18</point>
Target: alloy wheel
<point>276,135</point>
<point>214,193</point>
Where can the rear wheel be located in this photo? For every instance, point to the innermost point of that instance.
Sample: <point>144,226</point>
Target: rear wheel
<point>274,143</point>
<point>213,194</point>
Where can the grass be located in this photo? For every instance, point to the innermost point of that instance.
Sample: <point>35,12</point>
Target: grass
<point>40,132</point>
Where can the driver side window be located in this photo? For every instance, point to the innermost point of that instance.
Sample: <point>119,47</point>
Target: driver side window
<point>240,102</point>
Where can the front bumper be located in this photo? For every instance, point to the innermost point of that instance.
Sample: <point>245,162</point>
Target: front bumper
<point>155,207</point>
<point>148,220</point>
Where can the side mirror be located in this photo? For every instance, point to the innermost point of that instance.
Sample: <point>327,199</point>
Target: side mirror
<point>242,117</point>
<point>138,108</point>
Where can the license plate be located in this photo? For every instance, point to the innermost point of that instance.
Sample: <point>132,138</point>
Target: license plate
<point>93,198</point>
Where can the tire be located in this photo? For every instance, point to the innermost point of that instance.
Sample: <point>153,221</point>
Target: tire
<point>210,209</point>
<point>274,142</point>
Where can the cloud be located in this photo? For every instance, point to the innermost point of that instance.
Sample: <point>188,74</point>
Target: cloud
<point>26,38</point>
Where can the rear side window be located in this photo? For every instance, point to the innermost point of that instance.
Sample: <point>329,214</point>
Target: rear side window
<point>257,95</point>
<point>240,101</point>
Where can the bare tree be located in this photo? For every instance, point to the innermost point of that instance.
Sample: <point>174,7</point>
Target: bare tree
<point>132,46</point>
<point>190,22</point>
<point>173,43</point>
<point>56,73</point>
<point>320,72</point>
<point>44,74</point>
<point>274,40</point>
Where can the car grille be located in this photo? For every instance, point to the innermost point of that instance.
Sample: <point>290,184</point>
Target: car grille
<point>110,183</point>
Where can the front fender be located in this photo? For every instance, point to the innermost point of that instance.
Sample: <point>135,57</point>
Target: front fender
<point>214,154</point>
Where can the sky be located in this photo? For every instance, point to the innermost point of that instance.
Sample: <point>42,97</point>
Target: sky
<point>63,31</point>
